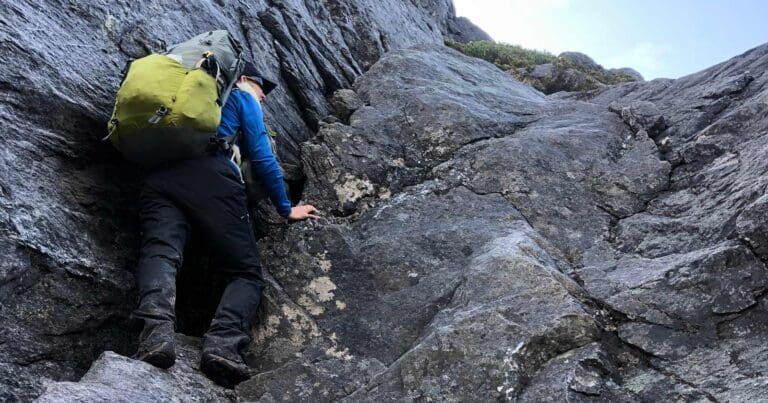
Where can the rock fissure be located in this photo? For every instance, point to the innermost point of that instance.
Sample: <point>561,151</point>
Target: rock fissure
<point>505,196</point>
<point>682,380</point>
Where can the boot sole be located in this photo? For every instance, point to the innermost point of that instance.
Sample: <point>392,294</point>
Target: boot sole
<point>160,360</point>
<point>162,356</point>
<point>221,373</point>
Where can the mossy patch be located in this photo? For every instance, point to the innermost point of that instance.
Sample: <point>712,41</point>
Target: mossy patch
<point>520,62</point>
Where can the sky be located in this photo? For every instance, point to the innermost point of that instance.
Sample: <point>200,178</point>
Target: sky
<point>658,38</point>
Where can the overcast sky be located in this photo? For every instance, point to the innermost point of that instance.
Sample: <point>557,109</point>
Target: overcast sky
<point>658,38</point>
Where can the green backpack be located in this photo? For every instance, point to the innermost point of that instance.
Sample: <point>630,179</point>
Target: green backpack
<point>168,106</point>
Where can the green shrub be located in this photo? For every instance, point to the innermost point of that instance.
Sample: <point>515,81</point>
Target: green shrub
<point>619,78</point>
<point>513,57</point>
<point>599,74</point>
<point>504,55</point>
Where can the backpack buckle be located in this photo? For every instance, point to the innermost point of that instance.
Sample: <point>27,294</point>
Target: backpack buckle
<point>216,143</point>
<point>159,114</point>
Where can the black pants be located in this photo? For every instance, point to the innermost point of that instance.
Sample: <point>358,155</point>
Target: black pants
<point>207,193</point>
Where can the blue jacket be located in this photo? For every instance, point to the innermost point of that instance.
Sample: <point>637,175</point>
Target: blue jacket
<point>242,112</point>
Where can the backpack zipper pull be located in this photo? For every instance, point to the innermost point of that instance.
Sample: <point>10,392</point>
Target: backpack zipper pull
<point>113,126</point>
<point>162,111</point>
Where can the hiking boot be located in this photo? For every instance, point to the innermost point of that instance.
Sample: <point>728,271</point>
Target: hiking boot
<point>224,372</point>
<point>157,345</point>
<point>227,336</point>
<point>162,355</point>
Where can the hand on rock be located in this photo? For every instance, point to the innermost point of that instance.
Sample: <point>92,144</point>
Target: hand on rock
<point>303,212</point>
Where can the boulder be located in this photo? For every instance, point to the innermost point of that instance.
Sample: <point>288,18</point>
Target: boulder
<point>579,60</point>
<point>116,378</point>
<point>627,71</point>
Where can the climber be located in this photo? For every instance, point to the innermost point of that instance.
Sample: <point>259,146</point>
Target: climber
<point>209,192</point>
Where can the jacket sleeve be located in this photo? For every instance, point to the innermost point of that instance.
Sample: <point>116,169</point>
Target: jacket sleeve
<point>263,162</point>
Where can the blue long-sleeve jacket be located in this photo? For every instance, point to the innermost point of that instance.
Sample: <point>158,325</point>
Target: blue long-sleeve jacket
<point>242,112</point>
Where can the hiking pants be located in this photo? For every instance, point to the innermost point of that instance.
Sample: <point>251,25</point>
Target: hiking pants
<point>205,192</point>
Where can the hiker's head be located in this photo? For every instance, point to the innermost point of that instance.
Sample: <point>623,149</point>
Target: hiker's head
<point>252,88</point>
<point>255,81</point>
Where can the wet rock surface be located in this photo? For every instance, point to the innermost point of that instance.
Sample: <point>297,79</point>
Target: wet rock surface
<point>480,240</point>
<point>68,228</point>
<point>651,233</point>
<point>647,280</point>
<point>703,232</point>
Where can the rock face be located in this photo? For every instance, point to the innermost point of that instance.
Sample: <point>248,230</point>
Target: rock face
<point>462,30</point>
<point>481,241</point>
<point>485,242</point>
<point>68,232</point>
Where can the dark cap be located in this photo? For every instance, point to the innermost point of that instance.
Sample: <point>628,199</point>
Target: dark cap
<point>253,74</point>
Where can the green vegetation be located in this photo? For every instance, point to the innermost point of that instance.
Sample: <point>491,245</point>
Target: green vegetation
<point>503,55</point>
<point>599,74</point>
<point>520,62</point>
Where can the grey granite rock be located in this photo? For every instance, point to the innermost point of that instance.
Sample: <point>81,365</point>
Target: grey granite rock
<point>641,115</point>
<point>68,232</point>
<point>115,378</point>
<point>345,102</point>
<point>462,30</point>
<point>585,374</point>
<point>703,233</point>
<point>580,60</point>
<point>651,238</point>
<point>480,240</point>
<point>628,71</point>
